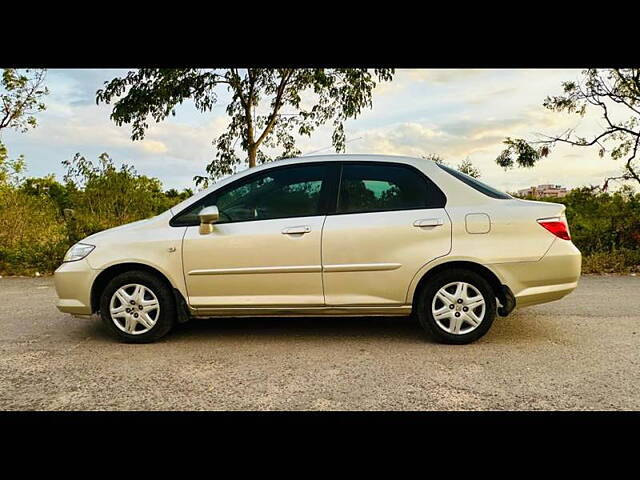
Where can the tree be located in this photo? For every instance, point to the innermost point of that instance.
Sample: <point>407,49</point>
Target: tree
<point>469,168</point>
<point>103,195</point>
<point>173,195</point>
<point>465,166</point>
<point>265,110</point>
<point>615,94</point>
<point>434,157</point>
<point>21,93</point>
<point>48,187</point>
<point>10,169</point>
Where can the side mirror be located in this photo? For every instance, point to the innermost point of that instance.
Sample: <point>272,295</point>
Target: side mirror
<point>208,216</point>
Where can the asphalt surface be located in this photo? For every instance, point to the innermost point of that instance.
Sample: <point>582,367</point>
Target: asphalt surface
<point>579,353</point>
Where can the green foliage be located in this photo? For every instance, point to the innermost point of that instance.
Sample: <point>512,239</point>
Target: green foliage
<point>35,231</point>
<point>32,235</point>
<point>469,168</point>
<point>10,169</point>
<point>175,197</point>
<point>21,94</point>
<point>466,166</point>
<point>610,90</point>
<point>603,222</point>
<point>434,157</point>
<point>105,196</point>
<point>48,187</point>
<point>520,152</point>
<point>265,110</point>
<point>619,261</point>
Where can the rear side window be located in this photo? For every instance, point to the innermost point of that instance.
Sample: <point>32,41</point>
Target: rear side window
<point>476,184</point>
<point>377,187</point>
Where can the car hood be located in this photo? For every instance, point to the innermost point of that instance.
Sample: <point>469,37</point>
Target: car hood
<point>123,230</point>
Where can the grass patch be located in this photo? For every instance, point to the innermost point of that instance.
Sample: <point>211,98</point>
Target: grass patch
<point>621,261</point>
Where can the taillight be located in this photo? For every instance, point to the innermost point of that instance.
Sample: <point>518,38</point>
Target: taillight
<point>556,226</point>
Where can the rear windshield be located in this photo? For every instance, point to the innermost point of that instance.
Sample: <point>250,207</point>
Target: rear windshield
<point>476,184</point>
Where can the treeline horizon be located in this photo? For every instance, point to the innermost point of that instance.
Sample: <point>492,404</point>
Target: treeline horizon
<point>42,217</point>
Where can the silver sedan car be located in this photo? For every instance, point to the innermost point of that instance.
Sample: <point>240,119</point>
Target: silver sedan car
<point>335,235</point>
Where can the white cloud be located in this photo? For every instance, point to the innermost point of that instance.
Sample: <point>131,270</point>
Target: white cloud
<point>153,146</point>
<point>455,113</point>
<point>442,76</point>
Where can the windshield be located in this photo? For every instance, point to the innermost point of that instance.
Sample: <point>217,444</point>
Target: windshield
<point>476,184</point>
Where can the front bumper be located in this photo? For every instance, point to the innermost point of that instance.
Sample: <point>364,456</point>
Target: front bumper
<point>552,277</point>
<point>73,281</point>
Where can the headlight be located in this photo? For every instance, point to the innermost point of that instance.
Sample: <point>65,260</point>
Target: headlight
<point>78,252</point>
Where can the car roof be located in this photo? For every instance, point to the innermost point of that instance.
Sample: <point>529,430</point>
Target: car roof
<point>342,157</point>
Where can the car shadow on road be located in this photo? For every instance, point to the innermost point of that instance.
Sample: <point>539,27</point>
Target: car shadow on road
<point>516,328</point>
<point>399,328</point>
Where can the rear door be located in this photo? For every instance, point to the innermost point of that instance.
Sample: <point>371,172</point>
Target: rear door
<point>389,222</point>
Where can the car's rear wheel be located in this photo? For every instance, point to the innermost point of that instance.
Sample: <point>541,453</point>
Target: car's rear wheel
<point>137,307</point>
<point>456,306</point>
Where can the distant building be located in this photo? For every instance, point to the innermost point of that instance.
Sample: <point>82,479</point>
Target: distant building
<point>547,190</point>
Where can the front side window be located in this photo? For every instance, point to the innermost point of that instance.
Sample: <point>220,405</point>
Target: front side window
<point>277,193</point>
<point>376,187</point>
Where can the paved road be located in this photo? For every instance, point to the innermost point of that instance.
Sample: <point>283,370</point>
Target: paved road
<point>582,352</point>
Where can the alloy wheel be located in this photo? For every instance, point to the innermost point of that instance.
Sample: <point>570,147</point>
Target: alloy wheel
<point>458,308</point>
<point>134,309</point>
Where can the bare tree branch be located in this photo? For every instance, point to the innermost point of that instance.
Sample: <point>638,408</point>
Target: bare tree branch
<point>598,90</point>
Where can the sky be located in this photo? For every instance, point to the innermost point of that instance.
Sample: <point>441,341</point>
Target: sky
<point>457,114</point>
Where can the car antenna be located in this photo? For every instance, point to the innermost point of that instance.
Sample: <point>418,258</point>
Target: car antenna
<point>316,151</point>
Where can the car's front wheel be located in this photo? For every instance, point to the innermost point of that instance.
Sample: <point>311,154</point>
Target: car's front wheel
<point>137,307</point>
<point>456,306</point>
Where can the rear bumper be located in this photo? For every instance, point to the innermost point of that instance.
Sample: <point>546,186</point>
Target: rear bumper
<point>552,277</point>
<point>73,282</point>
<point>544,294</point>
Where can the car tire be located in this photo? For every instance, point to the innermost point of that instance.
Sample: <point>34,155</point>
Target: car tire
<point>450,315</point>
<point>143,295</point>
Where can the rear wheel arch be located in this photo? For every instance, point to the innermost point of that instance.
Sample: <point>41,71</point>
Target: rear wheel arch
<point>486,273</point>
<point>103,279</point>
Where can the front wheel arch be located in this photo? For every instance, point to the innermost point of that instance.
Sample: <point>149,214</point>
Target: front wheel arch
<point>103,279</point>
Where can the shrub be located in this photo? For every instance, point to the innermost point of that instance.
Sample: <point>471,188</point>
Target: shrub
<point>605,227</point>
<point>603,222</point>
<point>34,230</point>
<point>32,235</point>
<point>620,261</point>
<point>103,196</point>
<point>35,233</point>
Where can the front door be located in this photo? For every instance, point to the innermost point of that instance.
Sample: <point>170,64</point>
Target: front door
<point>265,249</point>
<point>389,222</point>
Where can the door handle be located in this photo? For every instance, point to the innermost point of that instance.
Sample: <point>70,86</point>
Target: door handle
<point>296,230</point>
<point>428,222</point>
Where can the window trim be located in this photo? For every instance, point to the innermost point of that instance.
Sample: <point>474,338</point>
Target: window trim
<point>329,193</point>
<point>324,202</point>
<point>430,184</point>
